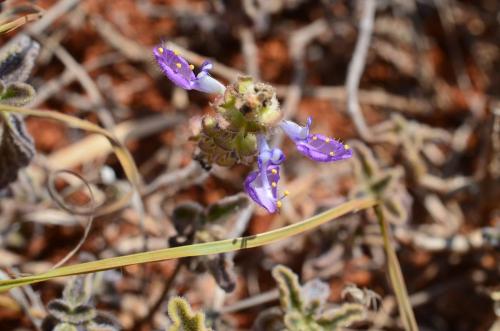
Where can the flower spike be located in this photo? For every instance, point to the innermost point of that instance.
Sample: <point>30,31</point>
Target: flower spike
<point>317,147</point>
<point>180,72</point>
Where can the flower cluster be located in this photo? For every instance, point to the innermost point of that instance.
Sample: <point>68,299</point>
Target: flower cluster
<point>246,113</point>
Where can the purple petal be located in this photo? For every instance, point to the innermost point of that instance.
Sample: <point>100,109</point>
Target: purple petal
<point>323,149</point>
<point>180,72</point>
<point>315,146</point>
<point>264,190</point>
<point>295,131</point>
<point>268,155</point>
<point>206,66</point>
<point>206,83</point>
<point>175,67</point>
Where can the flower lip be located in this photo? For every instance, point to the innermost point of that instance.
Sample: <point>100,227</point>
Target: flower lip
<point>317,147</point>
<point>261,186</point>
<point>175,67</point>
<point>180,72</point>
<point>320,148</point>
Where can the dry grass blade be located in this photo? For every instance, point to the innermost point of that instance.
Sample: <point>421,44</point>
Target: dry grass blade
<point>120,151</point>
<point>215,247</point>
<point>18,22</point>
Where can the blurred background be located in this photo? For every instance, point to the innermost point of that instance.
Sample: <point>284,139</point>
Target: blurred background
<point>425,115</point>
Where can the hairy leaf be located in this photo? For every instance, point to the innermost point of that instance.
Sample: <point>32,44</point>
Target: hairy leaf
<point>74,312</point>
<point>381,184</point>
<point>63,312</point>
<point>225,207</point>
<point>186,218</point>
<point>17,94</point>
<point>65,327</point>
<point>289,287</point>
<point>269,320</point>
<point>183,318</point>
<point>16,148</point>
<point>17,61</point>
<point>347,314</point>
<point>304,307</point>
<point>78,291</point>
<point>221,268</point>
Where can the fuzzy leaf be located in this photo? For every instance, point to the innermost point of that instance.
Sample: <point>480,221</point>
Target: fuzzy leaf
<point>65,327</point>
<point>303,306</point>
<point>103,322</point>
<point>74,315</point>
<point>365,166</point>
<point>187,218</point>
<point>344,316</point>
<point>221,268</point>
<point>183,318</point>
<point>314,295</point>
<point>73,312</point>
<point>187,214</point>
<point>17,94</point>
<point>17,61</point>
<point>225,207</point>
<point>269,320</point>
<point>289,287</point>
<point>381,184</point>
<point>16,148</point>
<point>295,321</point>
<point>78,291</point>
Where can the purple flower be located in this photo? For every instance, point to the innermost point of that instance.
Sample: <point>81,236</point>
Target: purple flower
<point>180,72</point>
<point>315,146</point>
<point>262,187</point>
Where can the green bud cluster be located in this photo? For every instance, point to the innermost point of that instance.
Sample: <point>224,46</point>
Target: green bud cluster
<point>246,109</point>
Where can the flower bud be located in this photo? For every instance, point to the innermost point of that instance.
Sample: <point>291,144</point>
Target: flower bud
<point>249,106</point>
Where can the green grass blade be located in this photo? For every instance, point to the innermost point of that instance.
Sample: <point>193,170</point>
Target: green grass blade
<point>215,247</point>
<point>395,275</point>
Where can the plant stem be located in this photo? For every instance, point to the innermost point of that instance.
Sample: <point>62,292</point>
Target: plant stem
<point>395,274</point>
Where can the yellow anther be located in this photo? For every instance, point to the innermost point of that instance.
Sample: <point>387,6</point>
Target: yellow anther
<point>347,146</point>
<point>279,204</point>
<point>160,50</point>
<point>315,138</point>
<point>332,153</point>
<point>273,184</point>
<point>191,66</point>
<point>176,52</point>
<point>178,65</point>
<point>327,140</point>
<point>274,171</point>
<point>286,193</point>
